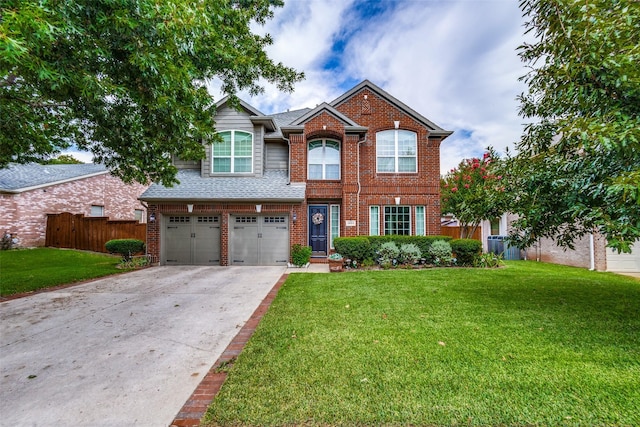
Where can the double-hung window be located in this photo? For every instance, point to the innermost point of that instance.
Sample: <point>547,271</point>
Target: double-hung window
<point>396,151</point>
<point>234,154</point>
<point>324,159</point>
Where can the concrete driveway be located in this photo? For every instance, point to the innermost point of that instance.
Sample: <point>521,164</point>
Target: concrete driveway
<point>122,351</point>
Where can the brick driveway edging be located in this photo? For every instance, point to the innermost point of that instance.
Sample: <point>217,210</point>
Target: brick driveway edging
<point>196,406</point>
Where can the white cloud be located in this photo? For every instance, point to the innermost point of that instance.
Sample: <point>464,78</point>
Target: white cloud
<point>455,62</point>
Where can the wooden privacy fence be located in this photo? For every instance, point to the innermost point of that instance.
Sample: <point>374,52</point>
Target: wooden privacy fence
<point>75,231</point>
<point>455,232</point>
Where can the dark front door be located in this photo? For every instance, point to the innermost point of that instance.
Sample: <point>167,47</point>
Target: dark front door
<point>318,229</point>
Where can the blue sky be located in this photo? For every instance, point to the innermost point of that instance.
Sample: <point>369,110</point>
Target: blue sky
<point>453,61</point>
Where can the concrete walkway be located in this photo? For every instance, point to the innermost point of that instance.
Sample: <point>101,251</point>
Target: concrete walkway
<point>122,351</point>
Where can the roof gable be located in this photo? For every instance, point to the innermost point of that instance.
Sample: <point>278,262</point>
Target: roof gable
<point>324,108</point>
<point>366,84</point>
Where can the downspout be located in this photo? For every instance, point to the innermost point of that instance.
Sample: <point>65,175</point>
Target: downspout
<point>358,193</point>
<point>289,161</point>
<point>592,253</point>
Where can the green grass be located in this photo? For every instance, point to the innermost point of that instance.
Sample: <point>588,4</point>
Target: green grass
<point>27,270</point>
<point>528,344</point>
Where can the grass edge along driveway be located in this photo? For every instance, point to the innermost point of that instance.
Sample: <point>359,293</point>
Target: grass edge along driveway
<point>528,344</point>
<point>29,270</point>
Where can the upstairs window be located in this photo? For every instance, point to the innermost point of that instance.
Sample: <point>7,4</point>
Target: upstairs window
<point>234,154</point>
<point>396,151</point>
<point>324,159</point>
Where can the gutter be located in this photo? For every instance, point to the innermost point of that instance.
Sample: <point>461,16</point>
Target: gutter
<point>49,184</point>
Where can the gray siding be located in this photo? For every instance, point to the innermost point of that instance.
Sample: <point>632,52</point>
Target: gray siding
<point>186,164</point>
<point>231,119</point>
<point>276,156</point>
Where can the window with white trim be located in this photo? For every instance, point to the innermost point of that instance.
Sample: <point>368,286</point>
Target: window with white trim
<point>97,210</point>
<point>397,220</point>
<point>324,159</point>
<point>420,221</point>
<point>396,151</point>
<point>334,213</point>
<point>234,154</point>
<point>374,220</point>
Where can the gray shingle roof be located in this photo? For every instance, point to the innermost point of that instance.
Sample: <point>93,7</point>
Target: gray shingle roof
<point>272,186</point>
<point>17,178</point>
<point>285,119</point>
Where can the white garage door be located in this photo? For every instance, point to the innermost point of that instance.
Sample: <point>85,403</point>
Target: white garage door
<point>624,263</point>
<point>259,239</point>
<point>191,240</point>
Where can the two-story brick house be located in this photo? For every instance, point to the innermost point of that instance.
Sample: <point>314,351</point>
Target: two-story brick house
<point>363,164</point>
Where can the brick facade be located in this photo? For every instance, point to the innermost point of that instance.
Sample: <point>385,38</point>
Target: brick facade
<point>354,121</point>
<point>25,213</point>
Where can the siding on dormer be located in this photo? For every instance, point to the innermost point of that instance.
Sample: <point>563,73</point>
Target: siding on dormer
<point>231,119</point>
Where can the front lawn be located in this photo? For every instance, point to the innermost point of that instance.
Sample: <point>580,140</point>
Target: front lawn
<point>528,344</point>
<point>27,270</point>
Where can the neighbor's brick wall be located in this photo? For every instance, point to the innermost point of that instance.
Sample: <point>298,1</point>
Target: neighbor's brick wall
<point>547,251</point>
<point>25,214</point>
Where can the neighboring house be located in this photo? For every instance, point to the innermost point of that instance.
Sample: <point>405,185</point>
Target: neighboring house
<point>363,164</point>
<point>29,192</point>
<point>589,252</point>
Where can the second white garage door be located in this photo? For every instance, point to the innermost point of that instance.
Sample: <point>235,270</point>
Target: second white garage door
<point>624,263</point>
<point>259,239</point>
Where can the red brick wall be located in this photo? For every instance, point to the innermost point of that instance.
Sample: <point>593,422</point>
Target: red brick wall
<point>25,213</point>
<point>358,162</point>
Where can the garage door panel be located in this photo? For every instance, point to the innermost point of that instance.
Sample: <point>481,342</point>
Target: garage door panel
<point>178,232</point>
<point>190,239</point>
<point>206,250</point>
<point>624,263</point>
<point>244,240</point>
<point>274,241</point>
<point>259,240</point>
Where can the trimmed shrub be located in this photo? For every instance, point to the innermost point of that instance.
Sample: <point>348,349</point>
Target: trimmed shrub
<point>409,254</point>
<point>354,248</point>
<point>466,250</point>
<point>300,255</point>
<point>125,247</point>
<point>440,252</point>
<point>388,254</point>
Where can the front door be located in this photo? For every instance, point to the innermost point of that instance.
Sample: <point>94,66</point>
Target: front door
<point>318,229</point>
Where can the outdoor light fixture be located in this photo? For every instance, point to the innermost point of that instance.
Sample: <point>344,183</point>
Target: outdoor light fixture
<point>324,127</point>
<point>258,208</point>
<point>152,217</point>
<point>189,208</point>
<point>396,123</point>
<point>397,200</point>
<point>295,217</point>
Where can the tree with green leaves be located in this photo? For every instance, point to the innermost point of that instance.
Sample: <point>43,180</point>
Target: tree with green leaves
<point>126,79</point>
<point>474,191</point>
<point>577,170</point>
<point>62,159</point>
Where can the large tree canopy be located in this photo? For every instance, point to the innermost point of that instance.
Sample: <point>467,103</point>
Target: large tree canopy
<point>578,166</point>
<point>126,79</point>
